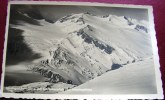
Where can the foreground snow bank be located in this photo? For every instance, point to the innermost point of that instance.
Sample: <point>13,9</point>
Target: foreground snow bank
<point>135,78</point>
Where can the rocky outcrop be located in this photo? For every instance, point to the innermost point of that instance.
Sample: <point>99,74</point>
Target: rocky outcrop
<point>140,27</point>
<point>88,39</point>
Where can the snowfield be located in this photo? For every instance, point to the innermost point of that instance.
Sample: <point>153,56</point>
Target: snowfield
<point>108,54</point>
<point>136,78</point>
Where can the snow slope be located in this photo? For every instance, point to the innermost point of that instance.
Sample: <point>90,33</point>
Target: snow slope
<point>80,47</point>
<point>136,78</point>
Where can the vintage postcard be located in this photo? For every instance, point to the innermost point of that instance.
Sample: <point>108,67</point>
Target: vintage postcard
<point>80,50</point>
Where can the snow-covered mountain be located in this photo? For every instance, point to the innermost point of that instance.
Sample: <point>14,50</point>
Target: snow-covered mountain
<point>80,47</point>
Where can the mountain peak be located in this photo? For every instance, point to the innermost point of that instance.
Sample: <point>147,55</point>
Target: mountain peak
<point>72,18</point>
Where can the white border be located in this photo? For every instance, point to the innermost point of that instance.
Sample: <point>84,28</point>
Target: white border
<point>159,94</point>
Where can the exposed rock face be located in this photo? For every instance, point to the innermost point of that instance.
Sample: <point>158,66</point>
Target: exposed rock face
<point>140,27</point>
<point>88,39</point>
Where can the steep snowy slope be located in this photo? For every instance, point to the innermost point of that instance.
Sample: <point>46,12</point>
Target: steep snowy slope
<point>46,35</point>
<point>81,47</point>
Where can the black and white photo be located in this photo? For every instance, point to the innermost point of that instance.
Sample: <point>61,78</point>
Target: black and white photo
<point>54,49</point>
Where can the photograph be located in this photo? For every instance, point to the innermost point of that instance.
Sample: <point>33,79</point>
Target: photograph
<point>70,49</point>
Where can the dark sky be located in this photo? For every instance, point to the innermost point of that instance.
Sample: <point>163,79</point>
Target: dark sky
<point>54,12</point>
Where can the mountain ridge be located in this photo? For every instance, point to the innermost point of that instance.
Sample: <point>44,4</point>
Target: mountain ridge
<point>85,46</point>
